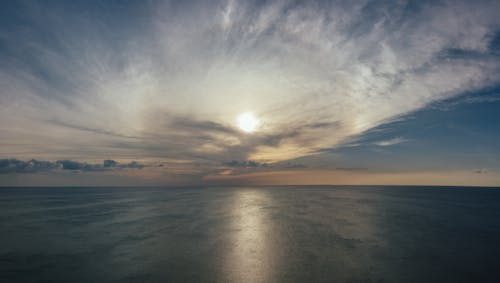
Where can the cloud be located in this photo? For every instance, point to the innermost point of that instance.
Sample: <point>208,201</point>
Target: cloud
<point>33,166</point>
<point>109,163</point>
<point>73,165</point>
<point>254,164</point>
<point>247,164</point>
<point>167,81</point>
<point>481,171</point>
<point>393,141</point>
<point>91,130</point>
<point>294,166</point>
<point>133,164</point>
<point>486,96</point>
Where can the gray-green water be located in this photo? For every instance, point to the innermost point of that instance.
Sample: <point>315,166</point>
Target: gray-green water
<point>271,234</point>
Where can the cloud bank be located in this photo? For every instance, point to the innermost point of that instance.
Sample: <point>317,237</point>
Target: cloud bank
<point>33,166</point>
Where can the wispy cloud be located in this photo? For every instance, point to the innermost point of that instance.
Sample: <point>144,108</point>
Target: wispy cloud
<point>393,141</point>
<point>167,80</point>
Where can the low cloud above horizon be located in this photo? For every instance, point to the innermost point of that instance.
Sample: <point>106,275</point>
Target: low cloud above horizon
<point>361,89</point>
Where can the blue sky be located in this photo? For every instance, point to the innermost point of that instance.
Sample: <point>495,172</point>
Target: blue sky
<point>338,92</point>
<point>459,133</point>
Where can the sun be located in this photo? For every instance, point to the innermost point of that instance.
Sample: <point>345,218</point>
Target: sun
<point>247,122</point>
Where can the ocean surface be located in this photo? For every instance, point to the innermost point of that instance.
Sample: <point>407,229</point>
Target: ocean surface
<point>250,234</point>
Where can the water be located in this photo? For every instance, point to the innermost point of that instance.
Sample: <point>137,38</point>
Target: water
<point>274,234</point>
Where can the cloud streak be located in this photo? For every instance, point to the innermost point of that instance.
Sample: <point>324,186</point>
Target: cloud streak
<point>393,141</point>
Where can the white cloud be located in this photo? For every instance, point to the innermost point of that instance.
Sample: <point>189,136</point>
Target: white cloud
<point>393,141</point>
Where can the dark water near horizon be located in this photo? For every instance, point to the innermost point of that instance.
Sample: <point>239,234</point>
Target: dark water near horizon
<point>267,234</point>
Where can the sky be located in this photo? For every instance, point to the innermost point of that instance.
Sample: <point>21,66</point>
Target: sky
<point>181,93</point>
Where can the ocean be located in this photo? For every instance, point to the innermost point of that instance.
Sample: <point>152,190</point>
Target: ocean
<point>250,234</point>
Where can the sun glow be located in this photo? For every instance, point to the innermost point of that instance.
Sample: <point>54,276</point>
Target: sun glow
<point>247,122</point>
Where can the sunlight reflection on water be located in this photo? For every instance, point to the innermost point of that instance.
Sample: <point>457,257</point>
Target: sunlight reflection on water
<point>249,258</point>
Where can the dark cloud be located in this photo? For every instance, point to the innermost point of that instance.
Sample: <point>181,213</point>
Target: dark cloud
<point>109,163</point>
<point>88,129</point>
<point>323,125</point>
<point>171,135</point>
<point>254,164</point>
<point>133,164</point>
<point>481,171</point>
<point>494,46</point>
<point>189,124</point>
<point>33,166</point>
<point>289,165</point>
<point>244,164</point>
<point>75,165</point>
